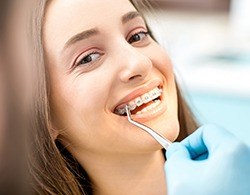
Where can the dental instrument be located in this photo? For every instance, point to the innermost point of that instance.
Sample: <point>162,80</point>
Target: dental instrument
<point>159,138</point>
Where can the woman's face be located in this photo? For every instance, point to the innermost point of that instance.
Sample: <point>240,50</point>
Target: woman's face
<point>100,57</point>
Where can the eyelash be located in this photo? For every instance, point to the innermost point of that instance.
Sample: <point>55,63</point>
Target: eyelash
<point>145,33</point>
<point>84,57</point>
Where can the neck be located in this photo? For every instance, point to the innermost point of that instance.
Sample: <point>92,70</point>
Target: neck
<point>130,174</point>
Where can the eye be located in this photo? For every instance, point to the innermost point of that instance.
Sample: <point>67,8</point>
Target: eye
<point>90,58</point>
<point>138,37</point>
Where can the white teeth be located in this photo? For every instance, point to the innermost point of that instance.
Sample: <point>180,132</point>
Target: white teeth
<point>146,98</point>
<point>138,101</point>
<point>138,113</point>
<point>151,106</point>
<point>157,102</point>
<point>132,105</point>
<point>154,93</point>
<point>144,110</point>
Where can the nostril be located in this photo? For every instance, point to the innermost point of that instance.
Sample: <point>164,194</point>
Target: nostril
<point>134,77</point>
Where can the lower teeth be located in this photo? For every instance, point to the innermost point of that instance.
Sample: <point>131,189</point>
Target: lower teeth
<point>149,108</point>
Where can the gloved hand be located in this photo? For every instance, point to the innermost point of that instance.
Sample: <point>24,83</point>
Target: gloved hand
<point>211,161</point>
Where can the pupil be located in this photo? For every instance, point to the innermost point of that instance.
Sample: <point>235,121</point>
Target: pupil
<point>88,59</point>
<point>137,38</point>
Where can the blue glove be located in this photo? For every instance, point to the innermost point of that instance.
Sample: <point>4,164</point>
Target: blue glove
<point>211,161</point>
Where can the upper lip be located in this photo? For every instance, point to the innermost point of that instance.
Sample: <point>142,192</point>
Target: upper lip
<point>137,93</point>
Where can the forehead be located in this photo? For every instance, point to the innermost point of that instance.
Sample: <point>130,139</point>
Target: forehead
<point>89,7</point>
<point>65,18</point>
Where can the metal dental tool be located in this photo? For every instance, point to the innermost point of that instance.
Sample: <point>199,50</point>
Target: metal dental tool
<point>159,138</point>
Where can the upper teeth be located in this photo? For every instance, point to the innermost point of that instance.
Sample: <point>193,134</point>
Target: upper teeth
<point>143,99</point>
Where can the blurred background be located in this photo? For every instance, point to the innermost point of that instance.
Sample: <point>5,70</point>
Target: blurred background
<point>209,43</point>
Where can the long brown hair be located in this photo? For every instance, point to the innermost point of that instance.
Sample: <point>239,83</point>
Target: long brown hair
<point>53,169</point>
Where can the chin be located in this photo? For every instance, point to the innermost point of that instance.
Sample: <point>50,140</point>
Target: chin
<point>166,126</point>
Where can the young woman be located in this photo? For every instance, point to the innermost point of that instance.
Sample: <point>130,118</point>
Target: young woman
<point>91,58</point>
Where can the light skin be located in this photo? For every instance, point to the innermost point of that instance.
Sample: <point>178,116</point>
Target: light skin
<point>90,74</point>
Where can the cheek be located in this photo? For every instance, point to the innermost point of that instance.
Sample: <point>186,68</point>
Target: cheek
<point>163,63</point>
<point>77,100</point>
<point>160,60</point>
<point>76,107</point>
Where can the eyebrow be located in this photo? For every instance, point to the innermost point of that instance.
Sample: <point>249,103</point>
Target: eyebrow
<point>93,32</point>
<point>129,16</point>
<point>81,36</point>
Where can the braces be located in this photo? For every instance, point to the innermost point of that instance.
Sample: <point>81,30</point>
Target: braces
<point>139,101</point>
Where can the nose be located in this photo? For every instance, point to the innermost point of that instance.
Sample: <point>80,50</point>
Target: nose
<point>135,65</point>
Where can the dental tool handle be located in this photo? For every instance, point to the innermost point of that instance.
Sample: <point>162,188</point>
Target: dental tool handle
<point>159,138</point>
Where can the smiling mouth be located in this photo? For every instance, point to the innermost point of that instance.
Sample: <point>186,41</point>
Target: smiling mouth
<point>142,104</point>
